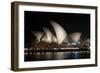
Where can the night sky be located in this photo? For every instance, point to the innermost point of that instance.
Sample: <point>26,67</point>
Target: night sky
<point>71,22</point>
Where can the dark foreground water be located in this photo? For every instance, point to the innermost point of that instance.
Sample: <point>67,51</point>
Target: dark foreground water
<point>39,56</point>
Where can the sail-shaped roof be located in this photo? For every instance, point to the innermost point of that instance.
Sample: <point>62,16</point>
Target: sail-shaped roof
<point>60,32</point>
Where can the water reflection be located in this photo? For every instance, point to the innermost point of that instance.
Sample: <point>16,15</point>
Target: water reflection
<point>39,56</point>
<point>76,55</point>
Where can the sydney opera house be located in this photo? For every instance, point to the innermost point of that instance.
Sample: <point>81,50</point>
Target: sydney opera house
<point>57,44</point>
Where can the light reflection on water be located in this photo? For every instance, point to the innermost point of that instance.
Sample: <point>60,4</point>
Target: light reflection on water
<point>76,55</point>
<point>38,56</point>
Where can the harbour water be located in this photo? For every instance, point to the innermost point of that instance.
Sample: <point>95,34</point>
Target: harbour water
<point>62,55</point>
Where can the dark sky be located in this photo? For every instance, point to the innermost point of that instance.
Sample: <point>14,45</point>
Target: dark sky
<point>71,22</point>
